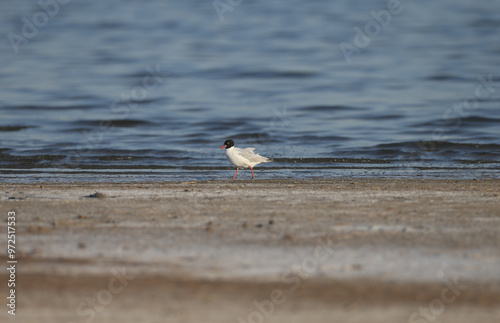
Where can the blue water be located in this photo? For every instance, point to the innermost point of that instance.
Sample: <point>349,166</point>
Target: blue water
<point>143,91</point>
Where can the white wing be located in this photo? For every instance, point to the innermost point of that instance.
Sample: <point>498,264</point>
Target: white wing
<point>252,157</point>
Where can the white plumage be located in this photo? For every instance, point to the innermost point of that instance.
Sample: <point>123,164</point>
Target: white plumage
<point>243,157</point>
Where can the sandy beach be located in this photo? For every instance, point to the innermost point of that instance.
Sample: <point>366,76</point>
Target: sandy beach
<point>346,250</point>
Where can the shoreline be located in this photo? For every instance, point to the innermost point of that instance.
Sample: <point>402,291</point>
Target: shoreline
<point>291,172</point>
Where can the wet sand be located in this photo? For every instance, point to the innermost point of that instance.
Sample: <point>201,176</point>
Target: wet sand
<point>352,250</point>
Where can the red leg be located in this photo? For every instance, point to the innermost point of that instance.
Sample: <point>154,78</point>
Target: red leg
<point>252,172</point>
<point>236,173</point>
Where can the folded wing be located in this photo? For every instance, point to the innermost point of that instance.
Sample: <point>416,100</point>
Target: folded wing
<point>248,154</point>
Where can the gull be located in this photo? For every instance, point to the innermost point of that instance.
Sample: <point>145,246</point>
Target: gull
<point>243,157</point>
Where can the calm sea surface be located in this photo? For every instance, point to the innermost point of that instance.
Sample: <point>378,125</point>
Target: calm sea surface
<point>148,91</point>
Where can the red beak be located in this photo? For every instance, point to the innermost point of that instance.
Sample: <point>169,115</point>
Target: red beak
<point>223,147</point>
